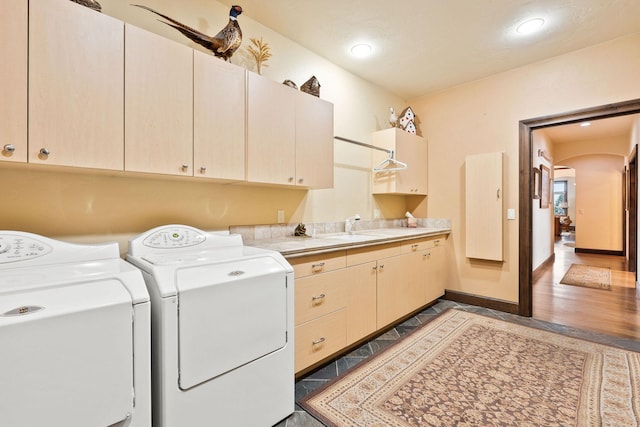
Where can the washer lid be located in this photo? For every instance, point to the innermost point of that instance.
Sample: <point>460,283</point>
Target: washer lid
<point>230,314</point>
<point>67,355</point>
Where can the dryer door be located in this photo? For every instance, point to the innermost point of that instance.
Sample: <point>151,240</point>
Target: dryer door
<point>229,315</point>
<point>66,357</point>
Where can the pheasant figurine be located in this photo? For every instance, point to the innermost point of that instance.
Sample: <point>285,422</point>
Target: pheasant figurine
<point>223,44</point>
<point>91,4</point>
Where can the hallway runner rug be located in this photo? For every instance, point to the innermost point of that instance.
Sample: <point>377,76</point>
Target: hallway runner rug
<point>465,369</point>
<point>588,277</point>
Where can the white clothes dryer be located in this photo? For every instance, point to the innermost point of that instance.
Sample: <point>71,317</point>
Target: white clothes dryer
<point>222,328</point>
<point>74,335</point>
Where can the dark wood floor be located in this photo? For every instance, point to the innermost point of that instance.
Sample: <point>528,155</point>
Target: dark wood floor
<point>615,312</point>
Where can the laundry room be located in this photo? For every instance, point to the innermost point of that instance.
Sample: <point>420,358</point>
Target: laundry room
<point>124,133</point>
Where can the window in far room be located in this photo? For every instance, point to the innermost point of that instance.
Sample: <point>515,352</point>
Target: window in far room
<point>560,198</point>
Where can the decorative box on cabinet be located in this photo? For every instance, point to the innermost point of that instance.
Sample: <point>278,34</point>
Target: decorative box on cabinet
<point>484,206</point>
<point>13,78</point>
<point>76,63</point>
<point>158,104</point>
<point>408,148</point>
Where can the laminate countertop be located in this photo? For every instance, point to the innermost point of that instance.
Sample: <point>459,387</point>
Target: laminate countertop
<point>294,246</point>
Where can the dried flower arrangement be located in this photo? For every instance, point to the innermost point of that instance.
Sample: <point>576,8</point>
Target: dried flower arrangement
<point>260,52</point>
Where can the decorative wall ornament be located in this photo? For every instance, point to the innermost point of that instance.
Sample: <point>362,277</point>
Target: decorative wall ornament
<point>91,4</point>
<point>311,86</point>
<point>259,50</point>
<point>222,45</point>
<point>290,83</point>
<point>393,119</point>
<point>406,117</point>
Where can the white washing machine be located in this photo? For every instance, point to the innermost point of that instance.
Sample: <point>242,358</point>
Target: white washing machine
<point>74,335</point>
<point>222,328</point>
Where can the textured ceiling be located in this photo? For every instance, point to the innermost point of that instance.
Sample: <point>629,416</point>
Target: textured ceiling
<point>421,46</point>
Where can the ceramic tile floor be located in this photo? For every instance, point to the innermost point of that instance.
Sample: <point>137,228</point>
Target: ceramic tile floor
<point>338,366</point>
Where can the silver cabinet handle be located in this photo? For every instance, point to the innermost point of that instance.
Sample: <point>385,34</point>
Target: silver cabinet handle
<point>318,265</point>
<point>319,341</point>
<point>9,148</point>
<point>317,297</point>
<point>498,193</point>
<point>375,267</point>
<point>381,266</point>
<point>301,179</point>
<point>185,167</point>
<point>291,179</point>
<point>203,169</point>
<point>44,151</point>
<point>414,247</point>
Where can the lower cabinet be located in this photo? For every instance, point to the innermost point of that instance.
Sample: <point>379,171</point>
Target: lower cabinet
<point>344,296</point>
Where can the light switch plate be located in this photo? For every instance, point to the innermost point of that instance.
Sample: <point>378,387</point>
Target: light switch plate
<point>511,214</point>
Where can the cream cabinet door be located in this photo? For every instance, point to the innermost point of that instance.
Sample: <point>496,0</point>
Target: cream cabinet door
<point>484,206</point>
<point>270,131</point>
<point>158,104</point>
<point>76,62</point>
<point>218,118</point>
<point>360,284</point>
<point>392,289</point>
<point>435,272</point>
<point>409,149</point>
<point>314,141</point>
<point>13,80</point>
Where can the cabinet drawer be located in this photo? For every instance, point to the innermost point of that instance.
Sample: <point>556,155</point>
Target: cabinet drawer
<point>361,255</point>
<point>314,264</point>
<point>422,244</point>
<point>320,338</point>
<point>318,295</point>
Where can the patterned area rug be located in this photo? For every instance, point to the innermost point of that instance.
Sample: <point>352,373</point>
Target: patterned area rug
<point>464,369</point>
<point>588,277</point>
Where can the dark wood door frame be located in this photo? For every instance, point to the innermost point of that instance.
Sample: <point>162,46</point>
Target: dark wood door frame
<point>632,200</point>
<point>525,294</point>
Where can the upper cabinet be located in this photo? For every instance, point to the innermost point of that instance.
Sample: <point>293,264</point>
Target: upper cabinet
<point>289,136</point>
<point>408,148</point>
<point>271,137</point>
<point>314,141</point>
<point>76,63</point>
<point>158,104</point>
<point>218,118</point>
<point>82,89</point>
<point>13,80</point>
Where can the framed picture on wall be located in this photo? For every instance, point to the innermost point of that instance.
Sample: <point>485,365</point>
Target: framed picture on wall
<point>536,183</point>
<point>545,187</point>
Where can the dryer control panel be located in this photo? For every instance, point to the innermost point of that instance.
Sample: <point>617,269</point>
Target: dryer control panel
<point>180,238</point>
<point>17,248</point>
<point>174,237</point>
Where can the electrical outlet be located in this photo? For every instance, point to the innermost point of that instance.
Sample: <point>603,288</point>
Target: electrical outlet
<point>376,213</point>
<point>280,216</point>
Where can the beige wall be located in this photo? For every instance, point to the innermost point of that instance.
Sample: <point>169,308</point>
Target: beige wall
<point>483,116</point>
<point>542,219</point>
<point>59,202</point>
<point>599,211</point>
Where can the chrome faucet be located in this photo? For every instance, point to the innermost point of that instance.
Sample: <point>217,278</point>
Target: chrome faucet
<point>350,223</point>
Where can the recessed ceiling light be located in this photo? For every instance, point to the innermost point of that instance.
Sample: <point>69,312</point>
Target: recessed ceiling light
<point>585,124</point>
<point>361,50</point>
<point>530,26</point>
